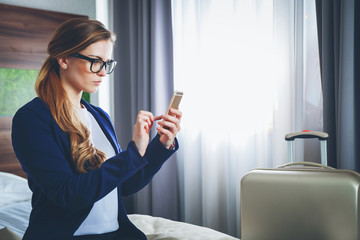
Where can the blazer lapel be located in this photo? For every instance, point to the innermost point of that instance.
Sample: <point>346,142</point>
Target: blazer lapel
<point>105,125</point>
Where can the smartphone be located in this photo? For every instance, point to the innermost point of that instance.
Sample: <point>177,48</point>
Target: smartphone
<point>175,100</point>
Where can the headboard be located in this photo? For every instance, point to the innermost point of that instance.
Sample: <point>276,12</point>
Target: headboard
<point>8,160</point>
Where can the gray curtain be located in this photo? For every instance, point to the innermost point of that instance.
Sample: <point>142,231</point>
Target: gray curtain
<point>339,46</point>
<point>144,81</point>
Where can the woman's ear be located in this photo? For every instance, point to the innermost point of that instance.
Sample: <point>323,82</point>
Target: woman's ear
<point>63,62</point>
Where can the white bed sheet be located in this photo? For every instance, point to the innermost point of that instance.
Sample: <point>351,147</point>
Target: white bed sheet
<point>13,189</point>
<point>156,228</point>
<point>15,208</point>
<point>15,217</point>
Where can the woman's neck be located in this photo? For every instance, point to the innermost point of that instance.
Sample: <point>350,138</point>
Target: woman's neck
<point>75,100</point>
<point>74,96</point>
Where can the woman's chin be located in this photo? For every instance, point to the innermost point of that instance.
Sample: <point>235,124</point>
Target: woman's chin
<point>91,90</point>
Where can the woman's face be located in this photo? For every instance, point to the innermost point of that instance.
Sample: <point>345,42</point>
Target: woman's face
<point>75,73</point>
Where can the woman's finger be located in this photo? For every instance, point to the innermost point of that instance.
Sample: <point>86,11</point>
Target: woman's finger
<point>156,118</point>
<point>176,113</point>
<point>169,126</point>
<point>146,118</point>
<point>168,118</point>
<point>146,114</point>
<point>163,131</point>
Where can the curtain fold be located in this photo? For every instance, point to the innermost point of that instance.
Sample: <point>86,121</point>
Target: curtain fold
<point>339,44</point>
<point>143,80</point>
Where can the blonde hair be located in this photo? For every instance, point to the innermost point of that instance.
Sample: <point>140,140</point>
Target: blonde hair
<point>70,37</point>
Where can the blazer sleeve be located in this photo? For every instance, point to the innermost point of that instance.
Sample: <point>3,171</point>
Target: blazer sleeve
<point>48,167</point>
<point>156,155</point>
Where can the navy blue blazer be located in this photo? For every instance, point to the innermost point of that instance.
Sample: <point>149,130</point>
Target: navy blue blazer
<point>62,198</point>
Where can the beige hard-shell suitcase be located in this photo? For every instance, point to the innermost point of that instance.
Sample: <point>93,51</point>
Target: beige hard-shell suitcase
<point>301,201</point>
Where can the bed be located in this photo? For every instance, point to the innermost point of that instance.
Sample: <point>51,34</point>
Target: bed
<point>15,207</point>
<point>15,204</point>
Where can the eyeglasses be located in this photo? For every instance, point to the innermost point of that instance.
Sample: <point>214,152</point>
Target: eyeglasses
<point>97,64</point>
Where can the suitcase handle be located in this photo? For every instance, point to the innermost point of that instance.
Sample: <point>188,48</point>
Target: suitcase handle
<point>322,136</point>
<point>306,134</point>
<point>310,164</point>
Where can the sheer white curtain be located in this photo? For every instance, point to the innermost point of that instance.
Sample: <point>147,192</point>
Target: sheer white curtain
<point>245,71</point>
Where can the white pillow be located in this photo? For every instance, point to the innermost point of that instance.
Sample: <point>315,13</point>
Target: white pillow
<point>13,189</point>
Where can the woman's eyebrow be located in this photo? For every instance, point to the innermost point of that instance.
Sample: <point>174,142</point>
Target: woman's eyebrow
<point>100,58</point>
<point>96,56</point>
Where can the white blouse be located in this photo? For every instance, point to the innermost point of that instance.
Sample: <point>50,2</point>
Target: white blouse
<point>103,215</point>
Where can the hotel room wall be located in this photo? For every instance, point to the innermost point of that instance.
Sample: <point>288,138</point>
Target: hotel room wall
<point>81,7</point>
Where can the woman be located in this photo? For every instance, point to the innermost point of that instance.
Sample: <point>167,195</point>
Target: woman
<point>68,147</point>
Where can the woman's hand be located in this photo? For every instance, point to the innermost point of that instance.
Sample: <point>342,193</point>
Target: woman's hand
<point>169,126</point>
<point>144,123</point>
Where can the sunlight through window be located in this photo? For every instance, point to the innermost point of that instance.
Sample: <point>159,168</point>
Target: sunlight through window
<point>224,63</point>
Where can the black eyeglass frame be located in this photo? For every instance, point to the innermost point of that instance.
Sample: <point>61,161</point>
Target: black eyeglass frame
<point>92,60</point>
